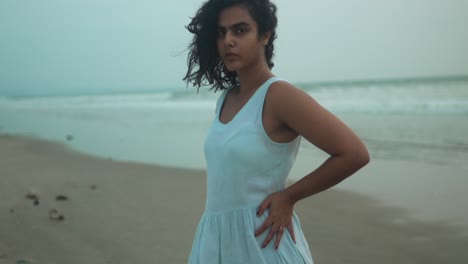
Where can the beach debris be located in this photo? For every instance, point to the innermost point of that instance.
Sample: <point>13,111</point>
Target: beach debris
<point>69,137</point>
<point>61,197</point>
<point>24,261</point>
<point>32,195</point>
<point>93,186</point>
<point>12,210</point>
<point>54,214</point>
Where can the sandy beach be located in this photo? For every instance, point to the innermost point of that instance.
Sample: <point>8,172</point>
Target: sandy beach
<point>118,212</point>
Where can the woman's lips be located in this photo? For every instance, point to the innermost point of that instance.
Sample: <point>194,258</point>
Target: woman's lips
<point>230,55</point>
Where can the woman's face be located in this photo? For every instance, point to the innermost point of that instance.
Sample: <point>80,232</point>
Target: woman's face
<point>237,41</point>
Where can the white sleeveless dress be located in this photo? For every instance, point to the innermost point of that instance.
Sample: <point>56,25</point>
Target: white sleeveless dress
<point>244,166</point>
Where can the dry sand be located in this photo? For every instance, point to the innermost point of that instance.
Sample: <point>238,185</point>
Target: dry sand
<point>119,212</point>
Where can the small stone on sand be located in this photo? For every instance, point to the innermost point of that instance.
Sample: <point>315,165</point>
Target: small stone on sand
<point>61,197</point>
<point>32,195</point>
<point>54,214</point>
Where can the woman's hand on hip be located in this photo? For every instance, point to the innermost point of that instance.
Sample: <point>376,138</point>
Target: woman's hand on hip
<point>280,217</point>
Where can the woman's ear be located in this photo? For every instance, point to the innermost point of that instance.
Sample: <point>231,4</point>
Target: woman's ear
<point>266,38</point>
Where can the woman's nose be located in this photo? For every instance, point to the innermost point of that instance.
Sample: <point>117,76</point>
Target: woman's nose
<point>229,39</point>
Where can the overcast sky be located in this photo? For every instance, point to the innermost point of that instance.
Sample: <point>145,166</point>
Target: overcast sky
<point>63,46</point>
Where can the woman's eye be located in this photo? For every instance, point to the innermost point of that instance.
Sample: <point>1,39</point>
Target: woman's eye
<point>240,31</point>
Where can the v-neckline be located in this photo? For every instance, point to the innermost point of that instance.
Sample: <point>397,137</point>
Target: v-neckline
<point>218,118</point>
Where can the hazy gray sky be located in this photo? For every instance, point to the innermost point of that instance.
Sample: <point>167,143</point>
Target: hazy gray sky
<point>85,45</point>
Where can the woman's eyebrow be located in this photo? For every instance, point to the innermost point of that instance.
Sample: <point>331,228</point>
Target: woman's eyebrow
<point>239,24</point>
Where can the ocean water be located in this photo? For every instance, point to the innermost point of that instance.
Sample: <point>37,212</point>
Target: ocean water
<point>423,120</point>
<point>409,126</point>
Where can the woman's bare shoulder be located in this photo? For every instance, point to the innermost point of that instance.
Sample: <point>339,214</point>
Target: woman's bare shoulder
<point>283,92</point>
<point>281,86</point>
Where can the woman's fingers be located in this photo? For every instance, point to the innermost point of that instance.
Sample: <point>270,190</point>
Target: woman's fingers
<point>270,236</point>
<point>275,230</point>
<point>277,221</point>
<point>291,232</point>
<point>266,224</point>
<point>279,234</point>
<point>263,206</point>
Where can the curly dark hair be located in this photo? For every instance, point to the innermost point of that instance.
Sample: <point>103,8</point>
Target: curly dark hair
<point>203,51</point>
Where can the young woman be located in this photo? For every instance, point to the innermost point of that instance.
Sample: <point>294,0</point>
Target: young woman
<point>253,140</point>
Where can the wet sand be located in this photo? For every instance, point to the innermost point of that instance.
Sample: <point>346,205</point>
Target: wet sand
<point>122,212</point>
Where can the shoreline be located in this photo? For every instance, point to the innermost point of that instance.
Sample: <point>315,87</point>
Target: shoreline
<point>138,213</point>
<point>415,186</point>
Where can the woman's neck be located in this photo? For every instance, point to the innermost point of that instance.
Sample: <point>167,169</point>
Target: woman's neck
<point>252,77</point>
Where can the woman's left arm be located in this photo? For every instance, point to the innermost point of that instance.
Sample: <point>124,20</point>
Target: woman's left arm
<point>301,113</point>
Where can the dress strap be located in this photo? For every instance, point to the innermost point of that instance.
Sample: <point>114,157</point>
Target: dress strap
<point>260,99</point>
<point>220,101</point>
<point>259,106</point>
